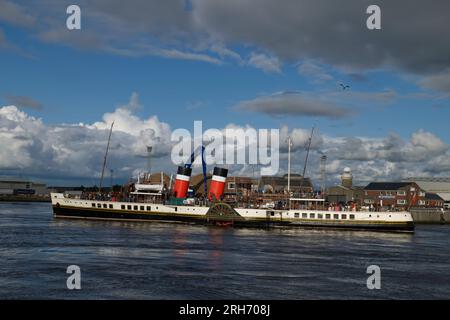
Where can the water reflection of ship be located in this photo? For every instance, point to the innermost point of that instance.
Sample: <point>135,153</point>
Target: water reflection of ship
<point>216,240</point>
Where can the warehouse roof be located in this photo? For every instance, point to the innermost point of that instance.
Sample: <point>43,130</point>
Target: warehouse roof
<point>386,185</point>
<point>434,186</point>
<point>444,195</point>
<point>432,196</point>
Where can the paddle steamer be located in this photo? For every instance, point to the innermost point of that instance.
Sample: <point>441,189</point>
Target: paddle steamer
<point>154,202</point>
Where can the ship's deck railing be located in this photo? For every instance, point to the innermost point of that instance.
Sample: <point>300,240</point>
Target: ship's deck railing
<point>289,203</point>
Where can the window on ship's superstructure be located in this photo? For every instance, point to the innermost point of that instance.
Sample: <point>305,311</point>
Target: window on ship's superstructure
<point>142,208</point>
<point>312,215</point>
<point>335,216</point>
<point>122,207</point>
<point>99,205</point>
<point>105,206</point>
<point>344,216</point>
<point>328,216</point>
<point>110,206</point>
<point>149,208</point>
<point>352,217</point>
<point>296,215</point>
<point>129,207</point>
<point>93,205</point>
<point>304,215</point>
<point>135,207</point>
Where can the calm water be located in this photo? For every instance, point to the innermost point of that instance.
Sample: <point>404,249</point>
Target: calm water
<point>172,261</point>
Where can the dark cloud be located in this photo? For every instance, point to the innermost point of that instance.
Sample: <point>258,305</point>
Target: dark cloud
<point>359,77</point>
<point>15,14</point>
<point>24,102</point>
<point>411,38</point>
<point>293,104</point>
<point>438,82</point>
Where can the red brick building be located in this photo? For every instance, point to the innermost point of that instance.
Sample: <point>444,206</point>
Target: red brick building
<point>400,195</point>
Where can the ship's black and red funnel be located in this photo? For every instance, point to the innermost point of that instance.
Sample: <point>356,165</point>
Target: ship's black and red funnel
<point>182,180</point>
<point>217,186</point>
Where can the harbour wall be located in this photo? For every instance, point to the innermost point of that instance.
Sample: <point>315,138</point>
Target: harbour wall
<point>25,198</point>
<point>429,215</point>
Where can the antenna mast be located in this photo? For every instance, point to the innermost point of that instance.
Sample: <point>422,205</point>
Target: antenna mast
<point>149,163</point>
<point>306,159</point>
<point>106,155</point>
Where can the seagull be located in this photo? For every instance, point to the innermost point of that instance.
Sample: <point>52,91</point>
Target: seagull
<point>344,87</point>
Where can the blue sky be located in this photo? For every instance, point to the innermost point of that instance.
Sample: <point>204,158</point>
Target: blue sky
<point>196,65</point>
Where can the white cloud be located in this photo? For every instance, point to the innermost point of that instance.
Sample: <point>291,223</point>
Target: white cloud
<point>224,52</point>
<point>269,64</point>
<point>387,158</point>
<point>75,151</point>
<point>315,72</point>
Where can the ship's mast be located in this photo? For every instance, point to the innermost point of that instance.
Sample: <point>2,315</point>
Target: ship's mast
<point>106,156</point>
<point>323,172</point>
<point>289,166</point>
<point>289,171</point>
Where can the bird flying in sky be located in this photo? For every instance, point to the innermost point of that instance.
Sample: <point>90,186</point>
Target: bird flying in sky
<point>344,87</point>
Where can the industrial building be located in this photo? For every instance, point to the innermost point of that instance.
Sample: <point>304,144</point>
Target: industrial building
<point>298,184</point>
<point>14,186</point>
<point>437,185</point>
<point>391,195</point>
<point>399,195</point>
<point>345,192</point>
<point>241,186</point>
